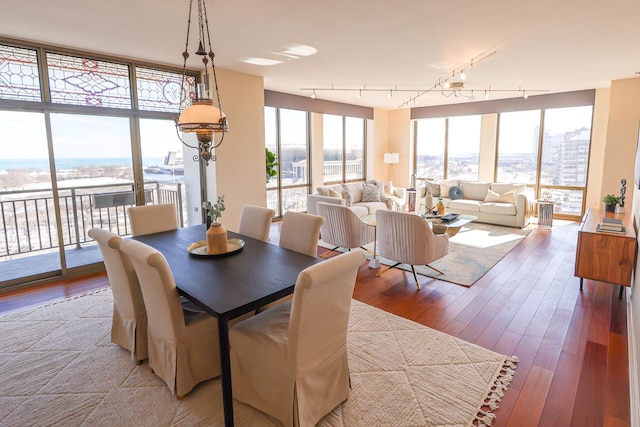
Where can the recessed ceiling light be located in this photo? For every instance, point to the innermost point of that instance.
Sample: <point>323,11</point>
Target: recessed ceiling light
<point>261,61</point>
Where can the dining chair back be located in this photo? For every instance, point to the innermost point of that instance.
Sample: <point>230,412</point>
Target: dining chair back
<point>129,324</point>
<point>183,344</point>
<point>343,228</point>
<point>255,222</point>
<point>408,239</point>
<point>291,361</point>
<point>300,232</point>
<point>149,219</point>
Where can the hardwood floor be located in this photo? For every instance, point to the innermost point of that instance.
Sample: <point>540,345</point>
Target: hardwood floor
<point>572,345</point>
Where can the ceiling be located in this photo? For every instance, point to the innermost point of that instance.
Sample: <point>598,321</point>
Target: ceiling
<point>408,45</point>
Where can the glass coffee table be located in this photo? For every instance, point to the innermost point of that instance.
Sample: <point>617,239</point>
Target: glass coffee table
<point>451,227</point>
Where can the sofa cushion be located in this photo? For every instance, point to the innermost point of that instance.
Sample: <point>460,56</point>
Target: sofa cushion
<point>371,207</point>
<point>475,190</point>
<point>503,188</point>
<point>498,208</point>
<point>464,205</point>
<point>433,187</point>
<point>334,193</point>
<point>360,209</point>
<point>508,197</point>
<point>371,193</point>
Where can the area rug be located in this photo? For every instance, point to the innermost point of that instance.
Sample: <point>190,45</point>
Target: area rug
<point>472,253</point>
<point>58,367</point>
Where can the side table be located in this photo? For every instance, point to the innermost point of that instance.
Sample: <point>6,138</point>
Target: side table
<point>411,199</point>
<point>545,214</point>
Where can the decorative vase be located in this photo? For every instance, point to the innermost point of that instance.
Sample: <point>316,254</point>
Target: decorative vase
<point>441,209</point>
<point>216,239</point>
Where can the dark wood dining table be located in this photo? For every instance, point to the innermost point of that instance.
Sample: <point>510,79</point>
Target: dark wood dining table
<point>229,286</point>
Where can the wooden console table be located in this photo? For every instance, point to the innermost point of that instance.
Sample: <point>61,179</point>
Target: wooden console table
<point>605,257</point>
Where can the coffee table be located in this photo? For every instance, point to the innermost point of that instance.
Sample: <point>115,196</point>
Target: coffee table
<point>450,227</point>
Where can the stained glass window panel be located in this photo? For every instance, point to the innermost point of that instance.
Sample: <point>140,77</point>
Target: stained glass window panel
<point>89,82</point>
<point>19,77</point>
<point>162,90</point>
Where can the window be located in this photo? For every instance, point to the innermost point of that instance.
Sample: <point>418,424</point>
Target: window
<point>518,136</point>
<point>19,78</point>
<point>286,135</point>
<point>343,140</point>
<point>448,147</point>
<point>90,147</point>
<point>565,157</point>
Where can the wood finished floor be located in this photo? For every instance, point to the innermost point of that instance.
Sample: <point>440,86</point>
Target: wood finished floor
<point>572,345</point>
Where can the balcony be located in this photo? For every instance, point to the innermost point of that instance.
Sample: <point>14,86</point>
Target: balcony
<point>30,232</point>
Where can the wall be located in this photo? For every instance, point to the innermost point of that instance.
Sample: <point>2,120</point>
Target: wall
<point>622,139</point>
<point>488,137</point>
<point>598,144</point>
<point>239,172</point>
<point>400,141</point>
<point>380,145</point>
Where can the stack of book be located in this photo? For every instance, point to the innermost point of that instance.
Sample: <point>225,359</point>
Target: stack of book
<point>611,225</point>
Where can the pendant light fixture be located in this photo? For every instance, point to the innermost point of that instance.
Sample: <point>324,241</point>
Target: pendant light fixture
<point>203,117</point>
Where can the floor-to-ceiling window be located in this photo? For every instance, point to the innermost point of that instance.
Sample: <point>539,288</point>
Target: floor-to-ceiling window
<point>518,135</point>
<point>343,142</point>
<point>287,136</point>
<point>75,132</point>
<point>448,148</point>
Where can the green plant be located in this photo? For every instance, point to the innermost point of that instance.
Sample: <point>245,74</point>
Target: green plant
<point>610,199</point>
<point>271,164</point>
<point>214,211</point>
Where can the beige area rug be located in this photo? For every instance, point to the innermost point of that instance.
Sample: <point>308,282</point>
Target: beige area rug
<point>472,253</point>
<point>58,367</point>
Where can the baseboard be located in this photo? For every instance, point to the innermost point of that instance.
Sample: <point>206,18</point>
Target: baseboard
<point>634,363</point>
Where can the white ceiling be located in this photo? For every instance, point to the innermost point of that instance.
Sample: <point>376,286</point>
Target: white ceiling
<point>559,46</point>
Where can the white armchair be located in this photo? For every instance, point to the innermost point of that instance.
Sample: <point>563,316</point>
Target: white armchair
<point>408,239</point>
<point>343,228</point>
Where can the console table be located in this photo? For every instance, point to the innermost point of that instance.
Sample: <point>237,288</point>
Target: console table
<point>605,257</point>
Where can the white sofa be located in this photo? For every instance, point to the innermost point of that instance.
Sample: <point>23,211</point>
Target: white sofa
<point>392,198</point>
<point>490,202</point>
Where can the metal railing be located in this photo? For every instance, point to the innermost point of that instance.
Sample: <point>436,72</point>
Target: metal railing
<point>28,218</point>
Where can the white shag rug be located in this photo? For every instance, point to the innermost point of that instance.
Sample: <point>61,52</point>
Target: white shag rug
<point>58,367</point>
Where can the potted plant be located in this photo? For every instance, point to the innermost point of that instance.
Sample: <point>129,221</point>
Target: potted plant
<point>216,234</point>
<point>271,164</point>
<point>610,202</point>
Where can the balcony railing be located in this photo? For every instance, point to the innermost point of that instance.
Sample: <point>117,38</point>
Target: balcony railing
<point>29,223</point>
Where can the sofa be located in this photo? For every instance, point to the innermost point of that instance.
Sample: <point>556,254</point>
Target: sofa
<point>493,203</point>
<point>362,197</point>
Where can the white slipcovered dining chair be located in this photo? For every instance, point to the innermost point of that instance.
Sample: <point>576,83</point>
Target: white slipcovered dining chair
<point>183,344</point>
<point>255,222</point>
<point>291,361</point>
<point>343,228</point>
<point>129,324</point>
<point>149,219</point>
<point>299,232</point>
<point>408,239</point>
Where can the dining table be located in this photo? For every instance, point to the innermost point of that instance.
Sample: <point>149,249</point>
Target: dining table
<point>229,285</point>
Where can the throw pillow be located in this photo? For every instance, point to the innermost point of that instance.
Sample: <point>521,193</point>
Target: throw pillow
<point>371,193</point>
<point>388,188</point>
<point>455,192</point>
<point>432,187</point>
<point>348,198</point>
<point>334,193</point>
<point>444,189</point>
<point>508,197</point>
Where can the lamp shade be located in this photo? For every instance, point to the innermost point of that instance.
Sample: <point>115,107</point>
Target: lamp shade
<point>203,116</point>
<point>391,158</point>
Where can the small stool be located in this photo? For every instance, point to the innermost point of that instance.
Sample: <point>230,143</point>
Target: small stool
<point>545,214</point>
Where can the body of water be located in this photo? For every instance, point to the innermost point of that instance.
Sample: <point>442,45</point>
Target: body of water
<point>71,163</point>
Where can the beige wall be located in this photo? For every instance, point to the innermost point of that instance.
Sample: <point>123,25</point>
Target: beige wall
<point>239,172</point>
<point>488,138</point>
<point>598,144</point>
<point>399,141</point>
<point>380,145</point>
